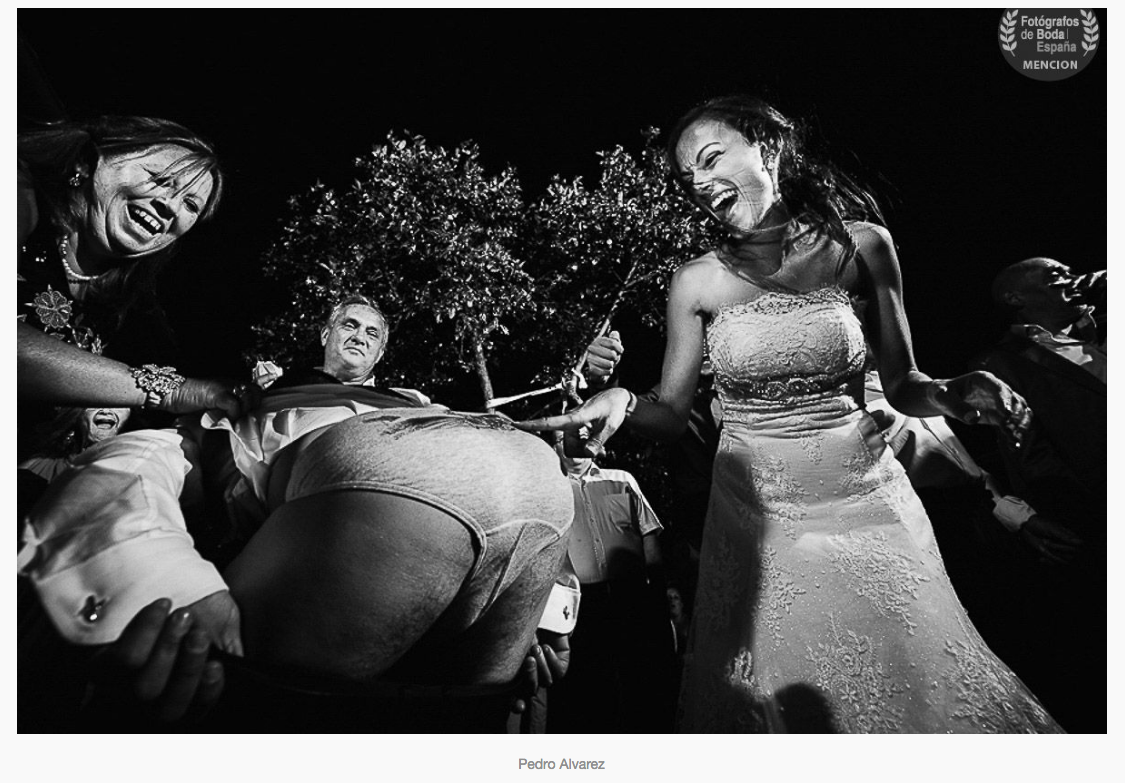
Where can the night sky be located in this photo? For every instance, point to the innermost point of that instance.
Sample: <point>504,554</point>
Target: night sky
<point>977,165</point>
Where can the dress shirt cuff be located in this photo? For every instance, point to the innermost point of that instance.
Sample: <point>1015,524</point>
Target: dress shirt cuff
<point>1011,512</point>
<point>92,602</point>
<point>561,612</point>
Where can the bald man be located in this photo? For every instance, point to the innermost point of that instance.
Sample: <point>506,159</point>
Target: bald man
<point>1051,586</point>
<point>1054,354</point>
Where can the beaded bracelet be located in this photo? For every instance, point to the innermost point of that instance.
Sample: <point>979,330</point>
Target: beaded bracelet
<point>156,382</point>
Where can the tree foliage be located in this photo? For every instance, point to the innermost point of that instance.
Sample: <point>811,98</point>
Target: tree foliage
<point>459,262</point>
<point>614,246</point>
<point>425,232</point>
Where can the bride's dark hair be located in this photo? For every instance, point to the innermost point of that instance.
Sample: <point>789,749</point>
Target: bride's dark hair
<point>816,193</point>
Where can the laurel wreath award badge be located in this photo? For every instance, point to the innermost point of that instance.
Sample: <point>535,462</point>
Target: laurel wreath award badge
<point>1048,44</point>
<point>1008,32</point>
<point>1090,32</point>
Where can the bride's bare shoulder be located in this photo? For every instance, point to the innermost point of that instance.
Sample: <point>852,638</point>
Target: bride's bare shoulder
<point>698,270</point>
<point>871,237</point>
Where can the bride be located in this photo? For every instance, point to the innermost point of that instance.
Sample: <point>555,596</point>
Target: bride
<point>823,604</point>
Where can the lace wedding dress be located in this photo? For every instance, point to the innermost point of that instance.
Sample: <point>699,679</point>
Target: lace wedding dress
<point>823,604</point>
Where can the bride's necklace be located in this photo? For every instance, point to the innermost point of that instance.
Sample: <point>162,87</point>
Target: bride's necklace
<point>741,258</point>
<point>754,236</point>
<point>72,274</point>
<point>767,235</point>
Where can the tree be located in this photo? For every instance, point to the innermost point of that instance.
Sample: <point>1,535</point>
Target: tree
<point>426,233</point>
<point>596,251</point>
<point>475,281</point>
<point>458,261</point>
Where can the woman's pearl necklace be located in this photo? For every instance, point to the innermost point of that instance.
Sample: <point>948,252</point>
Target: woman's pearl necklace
<point>72,274</point>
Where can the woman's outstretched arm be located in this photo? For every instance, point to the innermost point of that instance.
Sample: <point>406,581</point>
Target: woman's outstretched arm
<point>51,371</point>
<point>663,419</point>
<point>973,398</point>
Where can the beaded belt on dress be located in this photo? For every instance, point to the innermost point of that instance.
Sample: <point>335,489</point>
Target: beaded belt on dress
<point>747,400</point>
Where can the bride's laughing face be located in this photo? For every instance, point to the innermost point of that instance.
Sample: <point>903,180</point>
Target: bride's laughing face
<point>728,177</point>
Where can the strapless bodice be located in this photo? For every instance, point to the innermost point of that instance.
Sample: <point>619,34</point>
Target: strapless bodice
<point>784,350</point>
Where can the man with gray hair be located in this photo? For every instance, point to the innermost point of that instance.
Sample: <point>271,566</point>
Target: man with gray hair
<point>399,542</point>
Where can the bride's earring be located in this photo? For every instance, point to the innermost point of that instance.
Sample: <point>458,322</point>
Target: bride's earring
<point>767,157</point>
<point>770,161</point>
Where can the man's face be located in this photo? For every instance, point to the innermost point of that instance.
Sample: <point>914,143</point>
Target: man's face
<point>354,343</point>
<point>1048,288</point>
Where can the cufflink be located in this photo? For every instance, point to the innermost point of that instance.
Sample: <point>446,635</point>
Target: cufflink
<point>92,611</point>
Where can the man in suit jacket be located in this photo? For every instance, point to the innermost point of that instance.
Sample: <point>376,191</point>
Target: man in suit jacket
<point>1054,354</point>
<point>1050,584</point>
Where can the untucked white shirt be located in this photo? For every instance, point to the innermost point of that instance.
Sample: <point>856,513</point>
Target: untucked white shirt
<point>284,416</point>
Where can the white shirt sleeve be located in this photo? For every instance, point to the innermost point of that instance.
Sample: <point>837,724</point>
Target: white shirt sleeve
<point>108,538</point>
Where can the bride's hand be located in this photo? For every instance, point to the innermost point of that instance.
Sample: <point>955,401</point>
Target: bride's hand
<point>982,398</point>
<point>601,416</point>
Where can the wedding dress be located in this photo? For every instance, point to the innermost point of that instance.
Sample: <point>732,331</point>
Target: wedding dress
<point>823,604</point>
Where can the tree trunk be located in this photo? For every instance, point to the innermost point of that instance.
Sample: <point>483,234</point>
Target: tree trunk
<point>482,372</point>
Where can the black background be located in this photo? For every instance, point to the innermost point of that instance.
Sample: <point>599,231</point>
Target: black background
<point>977,165</point>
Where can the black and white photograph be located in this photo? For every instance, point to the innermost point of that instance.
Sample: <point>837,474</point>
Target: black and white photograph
<point>406,372</point>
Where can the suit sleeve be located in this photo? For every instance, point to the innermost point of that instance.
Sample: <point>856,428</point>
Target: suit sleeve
<point>1036,471</point>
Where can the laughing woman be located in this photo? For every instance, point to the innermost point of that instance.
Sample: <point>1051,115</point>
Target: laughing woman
<point>101,206</point>
<point>823,604</point>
